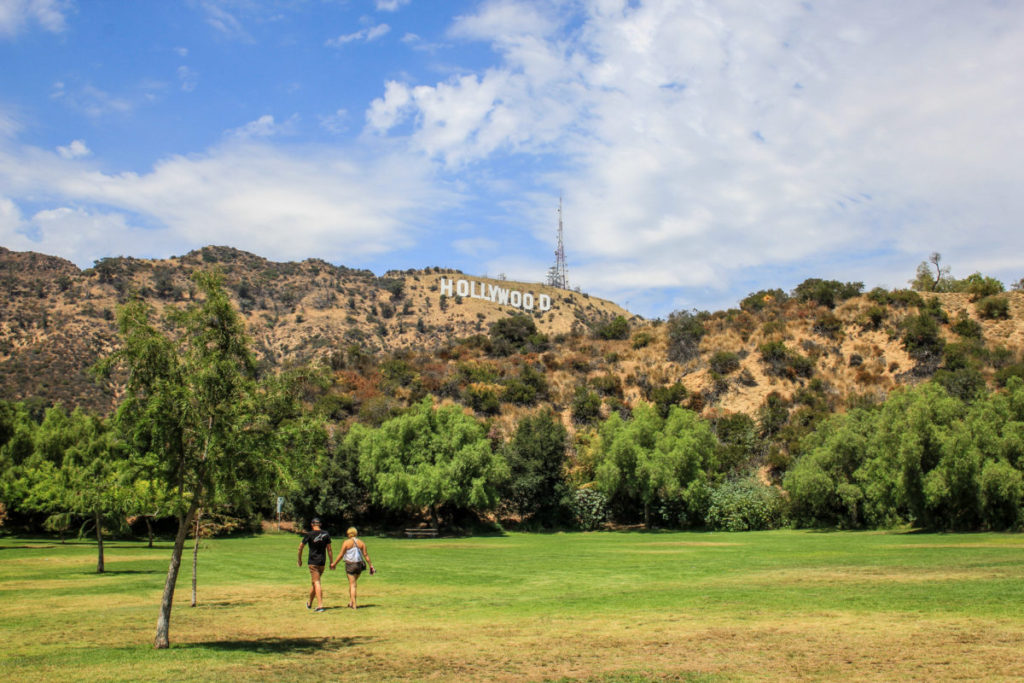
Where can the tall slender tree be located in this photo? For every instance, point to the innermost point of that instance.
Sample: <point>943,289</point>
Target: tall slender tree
<point>189,408</point>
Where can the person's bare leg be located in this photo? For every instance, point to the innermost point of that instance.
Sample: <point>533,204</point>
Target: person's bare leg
<point>319,594</point>
<point>352,578</point>
<point>312,594</point>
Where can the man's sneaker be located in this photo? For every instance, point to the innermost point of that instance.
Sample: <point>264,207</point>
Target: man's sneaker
<point>309,604</point>
<point>320,609</point>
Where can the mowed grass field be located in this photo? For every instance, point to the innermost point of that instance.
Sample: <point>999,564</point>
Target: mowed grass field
<point>604,606</point>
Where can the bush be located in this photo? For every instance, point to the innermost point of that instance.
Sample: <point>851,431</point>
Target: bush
<point>760,300</point>
<point>642,340</point>
<point>965,326</point>
<point>725,362</point>
<point>921,337</point>
<point>905,298</point>
<point>964,383</point>
<point>526,389</point>
<point>589,508</point>
<point>1004,374</point>
<point>685,330</point>
<point>616,328</point>
<point>993,307</point>
<point>664,398</point>
<point>876,315</point>
<point>828,326</point>
<point>933,307</point>
<point>607,385</point>
<point>586,406</point>
<point>482,399</point>
<point>783,362</point>
<point>826,292</point>
<point>516,333</point>
<point>745,505</point>
<point>880,295</point>
<point>980,286</point>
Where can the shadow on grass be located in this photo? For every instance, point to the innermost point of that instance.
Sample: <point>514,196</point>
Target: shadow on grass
<point>108,545</point>
<point>276,646</point>
<point>119,572</point>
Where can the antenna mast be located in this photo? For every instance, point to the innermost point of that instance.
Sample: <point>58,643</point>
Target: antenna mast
<point>558,274</point>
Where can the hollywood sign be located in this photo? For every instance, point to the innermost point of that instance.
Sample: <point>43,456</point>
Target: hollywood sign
<point>499,295</point>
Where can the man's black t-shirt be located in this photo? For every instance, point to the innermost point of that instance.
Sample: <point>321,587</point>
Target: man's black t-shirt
<point>317,542</point>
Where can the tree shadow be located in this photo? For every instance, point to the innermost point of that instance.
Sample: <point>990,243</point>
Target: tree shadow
<point>274,646</point>
<point>117,572</point>
<point>107,545</point>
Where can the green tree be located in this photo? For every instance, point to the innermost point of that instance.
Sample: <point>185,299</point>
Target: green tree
<point>650,459</point>
<point>536,458</point>
<point>91,478</point>
<point>428,458</point>
<point>189,411</point>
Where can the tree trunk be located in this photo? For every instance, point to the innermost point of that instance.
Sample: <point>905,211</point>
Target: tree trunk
<point>99,542</point>
<point>163,622</point>
<point>433,517</point>
<point>195,556</point>
<point>647,515</point>
<point>149,529</point>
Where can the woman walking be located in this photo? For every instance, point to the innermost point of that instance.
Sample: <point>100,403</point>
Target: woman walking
<point>353,552</point>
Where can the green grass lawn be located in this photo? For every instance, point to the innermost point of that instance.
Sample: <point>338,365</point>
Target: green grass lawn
<point>592,606</point>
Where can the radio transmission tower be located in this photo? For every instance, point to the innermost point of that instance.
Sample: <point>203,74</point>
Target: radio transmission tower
<point>558,274</point>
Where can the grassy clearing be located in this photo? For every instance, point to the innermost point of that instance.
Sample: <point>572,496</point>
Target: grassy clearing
<point>597,606</point>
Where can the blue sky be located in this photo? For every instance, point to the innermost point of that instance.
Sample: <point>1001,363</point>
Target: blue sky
<point>703,150</point>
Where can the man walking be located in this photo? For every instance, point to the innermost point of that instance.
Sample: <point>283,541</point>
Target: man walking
<point>319,541</point>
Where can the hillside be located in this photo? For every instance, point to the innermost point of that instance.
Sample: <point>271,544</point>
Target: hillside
<point>387,341</point>
<point>56,320</point>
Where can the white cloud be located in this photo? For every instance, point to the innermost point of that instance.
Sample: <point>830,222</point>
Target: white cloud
<point>96,102</point>
<point>221,16</point>
<point>335,123</point>
<point>367,35</point>
<point>283,203</point>
<point>263,127</point>
<point>390,5</point>
<point>475,246</point>
<point>17,15</point>
<point>187,78</point>
<point>697,141</point>
<point>76,149</point>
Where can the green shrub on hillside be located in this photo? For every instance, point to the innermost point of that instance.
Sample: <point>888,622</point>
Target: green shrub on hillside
<point>979,286</point>
<point>642,340</point>
<point>724,362</point>
<point>993,307</point>
<point>760,300</point>
<point>685,330</point>
<point>616,328</point>
<point>586,406</point>
<point>828,326</point>
<point>967,327</point>
<point>921,337</point>
<point>826,292</point>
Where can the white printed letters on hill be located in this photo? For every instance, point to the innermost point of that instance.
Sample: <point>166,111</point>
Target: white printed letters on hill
<point>499,295</point>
